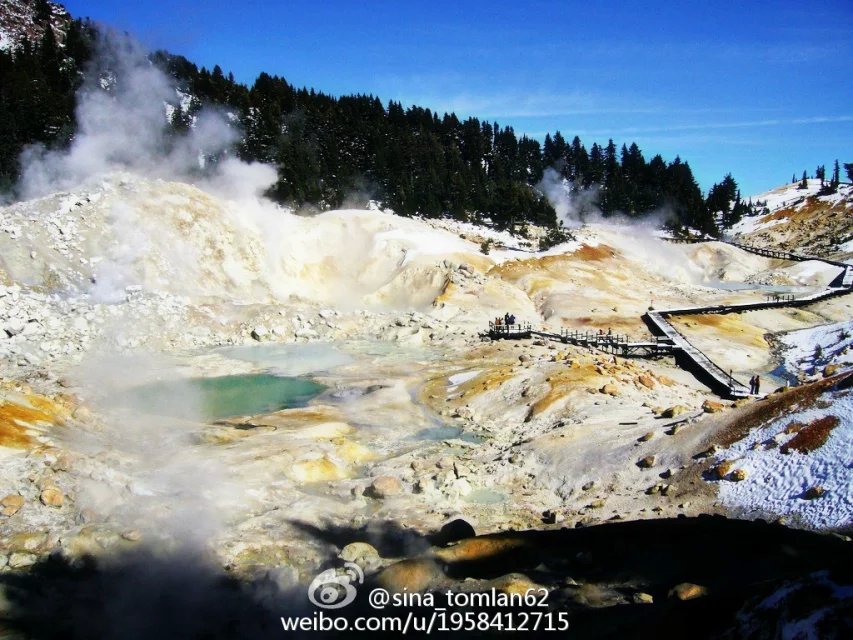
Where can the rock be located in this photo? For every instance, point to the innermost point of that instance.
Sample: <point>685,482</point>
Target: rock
<point>646,381</point>
<point>722,469</point>
<point>646,463</point>
<point>11,504</point>
<point>384,487</point>
<point>609,389</point>
<point>588,485</point>
<point>738,475</point>
<point>643,598</point>
<point>710,406</point>
<point>454,531</point>
<point>813,493</point>
<point>666,473</point>
<point>14,326</point>
<point>424,485</point>
<point>596,504</point>
<point>524,358</point>
<point>52,497</point>
<point>131,535</point>
<point>687,591</point>
<point>646,437</point>
<point>549,516</point>
<point>831,370</point>
<point>259,333</point>
<point>21,560</point>
<point>411,576</point>
<point>364,555</point>
<point>674,411</point>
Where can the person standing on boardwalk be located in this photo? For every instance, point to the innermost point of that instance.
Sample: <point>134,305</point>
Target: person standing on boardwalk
<point>757,385</point>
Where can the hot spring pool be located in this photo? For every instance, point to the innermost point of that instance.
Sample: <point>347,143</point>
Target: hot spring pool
<point>210,399</point>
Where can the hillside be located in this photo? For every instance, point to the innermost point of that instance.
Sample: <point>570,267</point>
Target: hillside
<point>330,151</point>
<point>26,20</point>
<point>800,220</point>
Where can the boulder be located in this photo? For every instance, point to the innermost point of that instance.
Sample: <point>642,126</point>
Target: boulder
<point>830,370</point>
<point>610,389</point>
<point>384,487</point>
<point>646,437</point>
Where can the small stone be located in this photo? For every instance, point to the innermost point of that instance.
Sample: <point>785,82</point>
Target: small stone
<point>424,485</point>
<point>259,333</point>
<point>813,493</point>
<point>596,504</point>
<point>364,555</point>
<point>21,560</point>
<point>687,591</point>
<point>722,469</point>
<point>588,485</point>
<point>384,487</point>
<point>646,463</point>
<point>710,406</point>
<point>674,411</point>
<point>610,390</point>
<point>738,475</point>
<point>11,504</point>
<point>132,535</point>
<point>52,497</point>
<point>646,437</point>
<point>643,598</point>
<point>646,381</point>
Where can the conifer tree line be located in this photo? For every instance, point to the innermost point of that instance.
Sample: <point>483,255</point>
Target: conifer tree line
<point>326,148</point>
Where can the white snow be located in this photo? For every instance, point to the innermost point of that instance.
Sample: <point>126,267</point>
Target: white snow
<point>775,482</point>
<point>835,342</point>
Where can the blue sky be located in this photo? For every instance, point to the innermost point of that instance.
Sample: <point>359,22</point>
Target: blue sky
<point>761,89</point>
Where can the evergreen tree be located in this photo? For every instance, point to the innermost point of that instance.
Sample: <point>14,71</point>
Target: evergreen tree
<point>848,168</point>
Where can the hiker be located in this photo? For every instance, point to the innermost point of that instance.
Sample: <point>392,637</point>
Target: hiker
<point>511,319</point>
<point>757,385</point>
<point>609,333</point>
<point>498,321</point>
<point>506,319</point>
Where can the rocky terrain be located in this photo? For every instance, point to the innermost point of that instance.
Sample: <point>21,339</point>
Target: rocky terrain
<point>426,432</point>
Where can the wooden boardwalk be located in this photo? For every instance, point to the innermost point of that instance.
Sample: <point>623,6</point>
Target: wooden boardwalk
<point>669,341</point>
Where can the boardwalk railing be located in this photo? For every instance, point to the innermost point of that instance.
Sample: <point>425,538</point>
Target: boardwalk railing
<point>515,330</point>
<point>667,340</point>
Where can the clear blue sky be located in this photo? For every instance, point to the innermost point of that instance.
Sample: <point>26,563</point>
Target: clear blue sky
<point>760,88</point>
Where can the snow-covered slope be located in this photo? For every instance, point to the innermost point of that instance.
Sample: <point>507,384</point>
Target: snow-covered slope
<point>18,22</point>
<point>801,220</point>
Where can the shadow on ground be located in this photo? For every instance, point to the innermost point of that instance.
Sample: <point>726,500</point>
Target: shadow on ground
<point>758,580</point>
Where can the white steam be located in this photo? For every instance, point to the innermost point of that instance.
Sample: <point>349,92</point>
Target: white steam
<point>574,207</point>
<point>122,122</point>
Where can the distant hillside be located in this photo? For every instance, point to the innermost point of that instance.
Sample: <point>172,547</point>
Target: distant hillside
<point>799,219</point>
<point>330,151</point>
<point>26,20</point>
